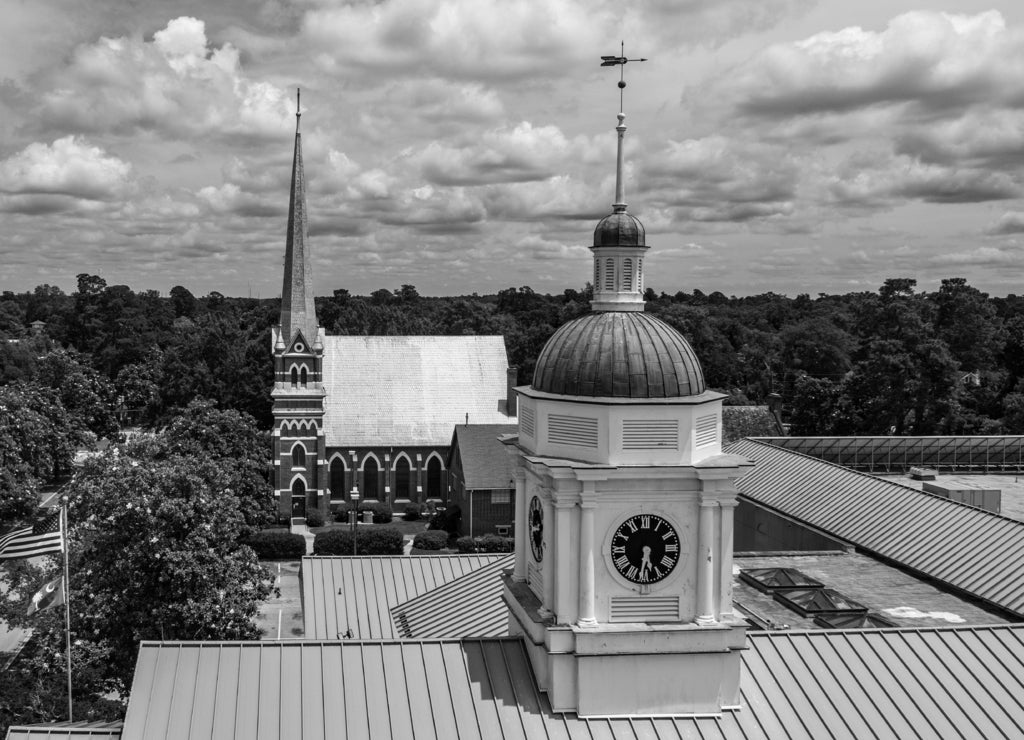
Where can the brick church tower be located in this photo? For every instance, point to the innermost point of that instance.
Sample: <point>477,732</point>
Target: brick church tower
<point>300,455</point>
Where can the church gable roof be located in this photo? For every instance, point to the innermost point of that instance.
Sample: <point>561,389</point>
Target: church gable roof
<point>410,391</point>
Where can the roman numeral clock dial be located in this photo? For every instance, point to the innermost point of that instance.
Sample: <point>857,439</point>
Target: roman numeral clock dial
<point>536,522</point>
<point>645,549</point>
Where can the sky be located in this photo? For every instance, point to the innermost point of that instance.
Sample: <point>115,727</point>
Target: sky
<point>466,146</point>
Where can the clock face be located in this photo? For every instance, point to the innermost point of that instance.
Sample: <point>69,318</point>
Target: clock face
<point>645,548</point>
<point>535,519</point>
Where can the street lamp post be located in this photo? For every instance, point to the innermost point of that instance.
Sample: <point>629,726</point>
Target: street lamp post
<point>353,515</point>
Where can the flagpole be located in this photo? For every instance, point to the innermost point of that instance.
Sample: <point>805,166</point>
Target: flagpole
<point>67,602</point>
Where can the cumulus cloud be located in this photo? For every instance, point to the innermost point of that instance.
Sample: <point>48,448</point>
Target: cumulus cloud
<point>981,137</point>
<point>510,154</point>
<point>883,181</point>
<point>720,179</point>
<point>936,61</point>
<point>458,39</point>
<point>68,174</point>
<point>1011,222</point>
<point>177,84</point>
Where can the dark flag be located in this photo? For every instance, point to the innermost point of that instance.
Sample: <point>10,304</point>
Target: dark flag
<point>52,594</point>
<point>45,537</point>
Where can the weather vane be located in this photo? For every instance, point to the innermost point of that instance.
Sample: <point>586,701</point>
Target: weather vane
<point>620,60</point>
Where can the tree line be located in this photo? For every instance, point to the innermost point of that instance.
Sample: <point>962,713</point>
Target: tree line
<point>897,360</point>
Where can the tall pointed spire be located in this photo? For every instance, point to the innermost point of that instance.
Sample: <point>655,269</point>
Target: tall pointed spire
<point>298,312</point>
<point>619,239</point>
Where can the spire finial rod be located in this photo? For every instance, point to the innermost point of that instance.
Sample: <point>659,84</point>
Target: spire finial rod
<point>620,185</point>
<point>298,107</point>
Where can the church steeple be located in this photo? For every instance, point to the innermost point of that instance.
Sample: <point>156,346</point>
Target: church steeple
<point>298,312</point>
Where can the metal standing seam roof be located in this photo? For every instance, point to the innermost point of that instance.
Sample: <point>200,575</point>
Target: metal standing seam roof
<point>470,606</point>
<point>486,463</point>
<point>411,391</point>
<point>66,731</point>
<point>358,593</point>
<point>969,549</point>
<point>618,354</point>
<point>937,683</point>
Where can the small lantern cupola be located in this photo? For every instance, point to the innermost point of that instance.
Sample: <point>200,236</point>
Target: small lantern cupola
<point>619,246</point>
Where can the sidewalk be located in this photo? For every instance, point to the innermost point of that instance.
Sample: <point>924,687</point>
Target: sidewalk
<point>280,617</point>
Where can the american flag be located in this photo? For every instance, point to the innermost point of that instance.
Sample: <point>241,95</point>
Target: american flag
<point>44,537</point>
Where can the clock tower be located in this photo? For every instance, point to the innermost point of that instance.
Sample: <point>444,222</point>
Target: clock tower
<point>622,585</point>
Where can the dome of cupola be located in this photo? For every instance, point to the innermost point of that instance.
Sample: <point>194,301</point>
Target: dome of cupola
<point>619,229</point>
<point>618,355</point>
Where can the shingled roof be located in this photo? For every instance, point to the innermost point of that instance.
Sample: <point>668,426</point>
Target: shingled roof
<point>485,461</point>
<point>411,391</point>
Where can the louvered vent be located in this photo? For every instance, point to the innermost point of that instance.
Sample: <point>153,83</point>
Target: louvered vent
<point>609,274</point>
<point>535,577</point>
<point>627,274</point>
<point>526,421</point>
<point>597,273</point>
<point>645,609</point>
<point>640,274</point>
<point>578,431</point>
<point>707,430</point>
<point>661,434</point>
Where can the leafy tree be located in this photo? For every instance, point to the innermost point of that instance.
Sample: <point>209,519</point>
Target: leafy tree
<point>156,554</point>
<point>36,444</point>
<point>967,322</point>
<point>87,396</point>
<point>183,300</point>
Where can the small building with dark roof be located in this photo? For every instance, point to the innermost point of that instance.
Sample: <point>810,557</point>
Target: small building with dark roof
<point>480,479</point>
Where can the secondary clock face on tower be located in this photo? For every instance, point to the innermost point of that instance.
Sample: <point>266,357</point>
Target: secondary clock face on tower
<point>536,522</point>
<point>645,549</point>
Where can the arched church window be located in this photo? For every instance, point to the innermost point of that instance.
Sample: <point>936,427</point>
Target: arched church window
<point>295,378</point>
<point>370,479</point>
<point>403,478</point>
<point>434,478</point>
<point>303,377</point>
<point>298,456</point>
<point>627,274</point>
<point>338,492</point>
<point>609,274</point>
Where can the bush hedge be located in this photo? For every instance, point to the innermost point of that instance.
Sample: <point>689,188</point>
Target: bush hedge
<point>413,512</point>
<point>277,544</point>
<point>376,541</point>
<point>486,543</point>
<point>494,543</point>
<point>433,540</point>
<point>382,513</point>
<point>314,518</point>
